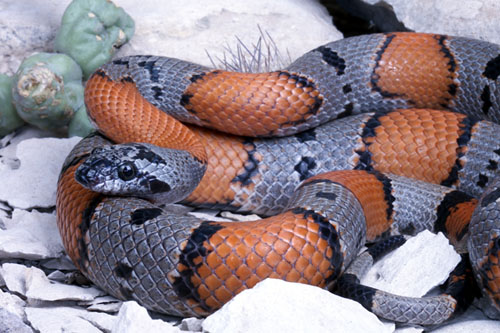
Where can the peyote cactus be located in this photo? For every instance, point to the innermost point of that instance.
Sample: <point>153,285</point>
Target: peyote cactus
<point>80,125</point>
<point>9,119</point>
<point>91,31</point>
<point>47,90</point>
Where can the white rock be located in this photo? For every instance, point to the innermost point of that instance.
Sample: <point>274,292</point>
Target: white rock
<point>40,288</point>
<point>472,321</point>
<point>472,18</point>
<point>279,306</point>
<point>14,276</point>
<point>27,27</point>
<point>135,318</point>
<point>8,143</point>
<point>10,323</point>
<point>187,30</point>
<point>34,284</point>
<point>173,28</point>
<point>432,260</point>
<point>30,235</point>
<point>69,319</point>
<point>12,303</point>
<point>35,181</point>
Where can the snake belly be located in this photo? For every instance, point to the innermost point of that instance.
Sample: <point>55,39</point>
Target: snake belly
<point>183,266</point>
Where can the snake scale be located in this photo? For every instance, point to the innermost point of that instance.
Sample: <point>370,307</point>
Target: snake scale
<point>403,105</point>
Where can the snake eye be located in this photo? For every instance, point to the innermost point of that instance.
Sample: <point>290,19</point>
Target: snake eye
<point>126,171</point>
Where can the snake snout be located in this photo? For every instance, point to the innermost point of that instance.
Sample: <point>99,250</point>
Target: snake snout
<point>81,175</point>
<point>88,173</point>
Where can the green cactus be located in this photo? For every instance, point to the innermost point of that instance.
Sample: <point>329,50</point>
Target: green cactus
<point>91,31</point>
<point>80,125</point>
<point>9,119</point>
<point>47,90</point>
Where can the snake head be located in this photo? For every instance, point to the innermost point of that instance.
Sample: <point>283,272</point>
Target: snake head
<point>140,169</point>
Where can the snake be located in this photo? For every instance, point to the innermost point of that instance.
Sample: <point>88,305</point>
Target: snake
<point>357,141</point>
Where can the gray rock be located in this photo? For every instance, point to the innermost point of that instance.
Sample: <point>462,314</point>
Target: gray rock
<point>191,324</point>
<point>279,306</point>
<point>10,323</point>
<point>58,276</point>
<point>63,263</point>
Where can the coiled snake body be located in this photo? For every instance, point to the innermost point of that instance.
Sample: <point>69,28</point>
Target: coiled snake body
<point>385,92</point>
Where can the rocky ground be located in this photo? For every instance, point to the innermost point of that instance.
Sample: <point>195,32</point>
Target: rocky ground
<point>38,284</point>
